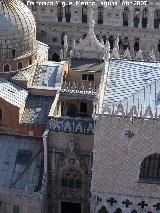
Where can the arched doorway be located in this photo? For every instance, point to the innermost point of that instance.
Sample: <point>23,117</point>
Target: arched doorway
<point>55,57</point>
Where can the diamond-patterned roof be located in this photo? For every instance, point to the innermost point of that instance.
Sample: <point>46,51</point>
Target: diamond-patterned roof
<point>126,78</point>
<point>12,93</point>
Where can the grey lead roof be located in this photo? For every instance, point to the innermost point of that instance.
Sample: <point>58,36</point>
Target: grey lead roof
<point>48,74</point>
<point>87,64</point>
<point>12,93</point>
<point>12,165</point>
<point>37,109</point>
<point>126,78</point>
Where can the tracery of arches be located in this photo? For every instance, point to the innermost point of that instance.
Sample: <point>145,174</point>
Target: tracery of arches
<point>71,175</point>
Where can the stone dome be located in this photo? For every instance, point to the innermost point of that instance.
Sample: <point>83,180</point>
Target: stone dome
<point>17,30</point>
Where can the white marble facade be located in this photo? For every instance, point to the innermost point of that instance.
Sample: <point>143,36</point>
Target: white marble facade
<point>137,26</point>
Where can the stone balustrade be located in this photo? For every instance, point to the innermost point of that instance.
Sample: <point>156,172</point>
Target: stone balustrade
<point>78,88</point>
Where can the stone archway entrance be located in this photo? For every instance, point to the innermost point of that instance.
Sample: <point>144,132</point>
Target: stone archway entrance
<point>68,207</point>
<point>55,57</point>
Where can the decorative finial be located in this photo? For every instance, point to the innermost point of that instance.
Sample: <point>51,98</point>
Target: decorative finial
<point>107,50</point>
<point>152,56</point>
<point>73,44</point>
<point>91,19</point>
<point>115,53</point>
<point>107,45</point>
<point>139,56</point>
<point>65,42</point>
<point>61,54</point>
<point>117,43</point>
<point>71,54</point>
<point>127,54</point>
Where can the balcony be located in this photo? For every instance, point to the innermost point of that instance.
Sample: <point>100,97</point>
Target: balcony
<point>72,125</point>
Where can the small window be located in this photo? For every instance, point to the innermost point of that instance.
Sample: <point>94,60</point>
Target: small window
<point>20,66</point>
<point>54,39</point>
<point>84,77</point>
<point>6,68</point>
<point>83,107</point>
<point>23,157</point>
<point>16,209</point>
<point>30,61</point>
<point>87,77</point>
<point>90,77</point>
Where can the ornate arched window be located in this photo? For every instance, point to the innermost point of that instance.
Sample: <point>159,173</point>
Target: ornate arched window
<point>19,65</point>
<point>71,179</point>
<point>68,12</point>
<point>84,14</point>
<point>103,210</point>
<point>144,18</point>
<point>150,168</point>
<point>6,68</point>
<point>136,17</point>
<point>100,15</point>
<point>60,11</point>
<point>125,16</point>
<point>156,19</point>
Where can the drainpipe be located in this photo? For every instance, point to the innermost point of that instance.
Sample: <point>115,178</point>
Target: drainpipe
<point>45,135</point>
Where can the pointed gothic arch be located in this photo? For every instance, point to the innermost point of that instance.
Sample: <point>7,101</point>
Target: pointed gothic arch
<point>6,68</point>
<point>150,168</point>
